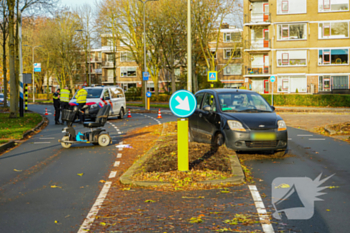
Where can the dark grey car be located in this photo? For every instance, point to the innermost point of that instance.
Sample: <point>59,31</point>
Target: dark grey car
<point>241,119</point>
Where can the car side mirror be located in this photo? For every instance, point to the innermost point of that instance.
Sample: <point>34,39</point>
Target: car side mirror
<point>207,108</point>
<point>273,108</point>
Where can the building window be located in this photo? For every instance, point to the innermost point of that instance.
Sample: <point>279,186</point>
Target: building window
<point>333,57</point>
<point>336,30</point>
<point>232,37</point>
<point>213,52</point>
<point>328,83</point>
<point>237,53</point>
<point>233,69</point>
<point>292,31</point>
<point>333,5</point>
<point>128,72</point>
<point>291,58</point>
<point>110,57</point>
<point>291,6</point>
<point>110,42</point>
<point>110,73</point>
<point>125,42</point>
<point>290,84</point>
<point>126,57</point>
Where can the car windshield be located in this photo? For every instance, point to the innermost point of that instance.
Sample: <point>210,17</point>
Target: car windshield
<point>1,96</point>
<point>92,93</point>
<point>243,102</point>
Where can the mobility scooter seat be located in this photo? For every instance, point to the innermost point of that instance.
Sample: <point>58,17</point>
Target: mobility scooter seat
<point>101,118</point>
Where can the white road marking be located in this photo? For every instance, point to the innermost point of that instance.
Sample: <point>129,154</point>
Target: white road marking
<point>95,208</point>
<point>305,135</point>
<point>317,139</point>
<point>41,142</point>
<point>120,143</point>
<point>116,163</point>
<point>290,139</point>
<point>119,133</point>
<point>112,175</point>
<point>260,207</point>
<point>119,155</point>
<point>46,138</point>
<point>120,149</point>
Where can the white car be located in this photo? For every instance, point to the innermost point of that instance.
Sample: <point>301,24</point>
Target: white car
<point>2,99</point>
<point>104,95</point>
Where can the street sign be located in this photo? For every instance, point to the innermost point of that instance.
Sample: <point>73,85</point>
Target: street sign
<point>212,76</point>
<point>37,67</point>
<point>145,76</point>
<point>183,103</point>
<point>272,79</point>
<point>85,83</point>
<point>27,78</point>
<point>148,94</point>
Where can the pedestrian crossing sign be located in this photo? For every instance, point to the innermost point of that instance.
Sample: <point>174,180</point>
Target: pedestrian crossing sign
<point>212,76</point>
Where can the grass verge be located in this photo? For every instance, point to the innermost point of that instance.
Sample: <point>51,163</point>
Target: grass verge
<point>13,128</point>
<point>152,105</point>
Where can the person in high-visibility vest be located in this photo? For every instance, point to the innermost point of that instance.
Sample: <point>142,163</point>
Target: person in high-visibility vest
<point>57,106</point>
<point>64,99</point>
<point>81,100</point>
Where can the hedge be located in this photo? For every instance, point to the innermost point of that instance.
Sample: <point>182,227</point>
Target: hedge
<point>310,100</point>
<point>40,96</point>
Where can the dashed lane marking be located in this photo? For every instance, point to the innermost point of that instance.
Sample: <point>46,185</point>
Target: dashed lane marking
<point>260,207</point>
<point>290,139</point>
<point>113,174</point>
<point>317,139</point>
<point>41,142</point>
<point>305,135</point>
<point>119,155</point>
<point>46,138</point>
<point>116,163</point>
<point>85,227</point>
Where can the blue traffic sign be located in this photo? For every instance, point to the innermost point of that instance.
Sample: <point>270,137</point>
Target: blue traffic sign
<point>145,76</point>
<point>37,67</point>
<point>272,79</point>
<point>183,103</point>
<point>212,76</point>
<point>148,94</point>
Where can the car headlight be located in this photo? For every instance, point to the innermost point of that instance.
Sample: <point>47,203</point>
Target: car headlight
<point>281,125</point>
<point>94,106</point>
<point>236,125</point>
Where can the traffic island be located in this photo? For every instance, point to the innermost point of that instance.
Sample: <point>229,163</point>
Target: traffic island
<point>209,167</point>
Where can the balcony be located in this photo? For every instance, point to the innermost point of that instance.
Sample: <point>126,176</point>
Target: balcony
<point>255,71</point>
<point>257,18</point>
<point>106,79</point>
<point>95,59</point>
<point>107,64</point>
<point>258,44</point>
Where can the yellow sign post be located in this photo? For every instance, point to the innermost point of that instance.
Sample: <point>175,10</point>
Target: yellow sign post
<point>182,144</point>
<point>148,103</point>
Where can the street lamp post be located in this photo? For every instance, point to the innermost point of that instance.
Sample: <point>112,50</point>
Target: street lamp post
<point>88,57</point>
<point>144,43</point>
<point>189,48</point>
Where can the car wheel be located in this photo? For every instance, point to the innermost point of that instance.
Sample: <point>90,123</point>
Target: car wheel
<point>104,140</point>
<point>93,118</point>
<point>121,114</point>
<point>218,139</point>
<point>280,154</point>
<point>64,144</point>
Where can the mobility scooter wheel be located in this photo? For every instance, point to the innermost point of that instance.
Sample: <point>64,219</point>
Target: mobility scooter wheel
<point>104,140</point>
<point>64,144</point>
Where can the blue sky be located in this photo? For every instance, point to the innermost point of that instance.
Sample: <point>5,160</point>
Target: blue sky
<point>74,3</point>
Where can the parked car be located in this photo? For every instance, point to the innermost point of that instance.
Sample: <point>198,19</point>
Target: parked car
<point>2,100</point>
<point>104,95</point>
<point>241,119</point>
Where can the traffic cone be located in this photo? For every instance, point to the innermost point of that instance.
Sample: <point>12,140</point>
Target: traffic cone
<point>54,114</point>
<point>129,114</point>
<point>46,114</point>
<point>159,114</point>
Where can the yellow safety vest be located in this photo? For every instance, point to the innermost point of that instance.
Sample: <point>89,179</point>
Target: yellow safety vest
<point>81,96</point>
<point>64,95</point>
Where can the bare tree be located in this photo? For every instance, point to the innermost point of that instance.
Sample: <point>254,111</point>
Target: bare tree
<point>5,33</point>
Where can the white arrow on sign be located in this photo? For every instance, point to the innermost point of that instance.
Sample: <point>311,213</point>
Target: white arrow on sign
<point>183,104</point>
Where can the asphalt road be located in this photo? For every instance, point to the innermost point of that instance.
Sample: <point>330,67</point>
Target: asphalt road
<point>28,201</point>
<point>309,156</point>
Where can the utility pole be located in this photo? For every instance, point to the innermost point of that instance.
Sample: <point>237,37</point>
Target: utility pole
<point>21,110</point>
<point>189,48</point>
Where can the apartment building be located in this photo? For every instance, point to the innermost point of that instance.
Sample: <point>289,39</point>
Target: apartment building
<point>230,41</point>
<point>304,43</point>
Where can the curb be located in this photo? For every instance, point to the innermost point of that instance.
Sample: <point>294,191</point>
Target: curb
<point>12,143</point>
<point>329,130</point>
<point>280,110</point>
<point>40,103</point>
<point>126,178</point>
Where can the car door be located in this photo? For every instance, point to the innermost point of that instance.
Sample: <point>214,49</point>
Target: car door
<point>194,117</point>
<point>206,119</point>
<point>115,99</point>
<point>106,98</point>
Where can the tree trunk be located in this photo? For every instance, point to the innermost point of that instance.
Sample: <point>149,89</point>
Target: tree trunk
<point>17,61</point>
<point>13,83</point>
<point>172,73</point>
<point>194,77</point>
<point>4,65</point>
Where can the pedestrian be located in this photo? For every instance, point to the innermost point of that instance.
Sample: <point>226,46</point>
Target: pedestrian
<point>64,99</point>
<point>81,101</point>
<point>57,106</point>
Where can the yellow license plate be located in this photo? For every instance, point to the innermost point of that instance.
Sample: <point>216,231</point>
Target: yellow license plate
<point>263,136</point>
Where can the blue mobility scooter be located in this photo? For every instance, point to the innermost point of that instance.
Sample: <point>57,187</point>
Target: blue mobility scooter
<point>97,135</point>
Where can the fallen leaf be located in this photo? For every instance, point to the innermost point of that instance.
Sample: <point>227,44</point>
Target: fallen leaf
<point>80,174</point>
<point>103,223</point>
<point>102,181</point>
<point>82,187</point>
<point>54,186</point>
<point>328,210</point>
<point>149,201</point>
<point>17,170</point>
<point>56,221</point>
